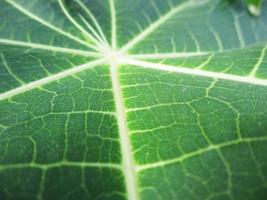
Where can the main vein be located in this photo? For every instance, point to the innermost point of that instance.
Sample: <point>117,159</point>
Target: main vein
<point>48,47</point>
<point>128,164</point>
<point>49,79</point>
<point>127,157</point>
<point>190,71</point>
<point>167,55</point>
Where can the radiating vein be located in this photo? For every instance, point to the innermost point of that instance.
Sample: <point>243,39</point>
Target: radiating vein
<point>128,164</point>
<point>43,22</point>
<point>167,55</point>
<point>86,9</point>
<point>48,47</point>
<point>126,150</point>
<point>94,32</point>
<point>86,33</point>
<point>49,79</point>
<point>158,23</point>
<point>113,25</point>
<point>196,72</point>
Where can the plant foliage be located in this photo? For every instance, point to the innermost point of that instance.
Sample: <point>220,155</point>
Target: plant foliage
<point>133,99</point>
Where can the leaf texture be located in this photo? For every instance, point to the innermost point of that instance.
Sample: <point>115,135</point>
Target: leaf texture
<point>126,99</point>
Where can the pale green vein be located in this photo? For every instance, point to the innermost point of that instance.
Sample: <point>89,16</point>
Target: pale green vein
<point>89,13</point>
<point>86,33</point>
<point>2,126</point>
<point>228,171</point>
<point>48,48</point>
<point>66,146</point>
<point>85,112</point>
<point>167,55</point>
<point>258,64</point>
<point>113,25</point>
<point>98,37</point>
<point>83,183</point>
<point>55,77</point>
<point>198,152</point>
<point>239,31</point>
<point>128,162</point>
<point>206,62</point>
<point>233,109</point>
<point>194,39</point>
<point>196,72</point>
<point>217,38</point>
<point>42,185</point>
<point>199,124</point>
<point>153,106</point>
<point>158,23</point>
<point>10,70</point>
<point>161,127</point>
<point>58,164</point>
<point>34,145</point>
<point>43,22</point>
<point>157,10</point>
<point>256,163</point>
<point>42,66</point>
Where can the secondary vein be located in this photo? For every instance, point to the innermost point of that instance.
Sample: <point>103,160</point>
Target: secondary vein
<point>198,152</point>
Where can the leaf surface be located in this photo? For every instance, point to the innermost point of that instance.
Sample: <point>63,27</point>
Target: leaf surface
<point>126,99</point>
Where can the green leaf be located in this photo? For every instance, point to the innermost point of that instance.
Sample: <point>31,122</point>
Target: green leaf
<point>132,99</point>
<point>254,6</point>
